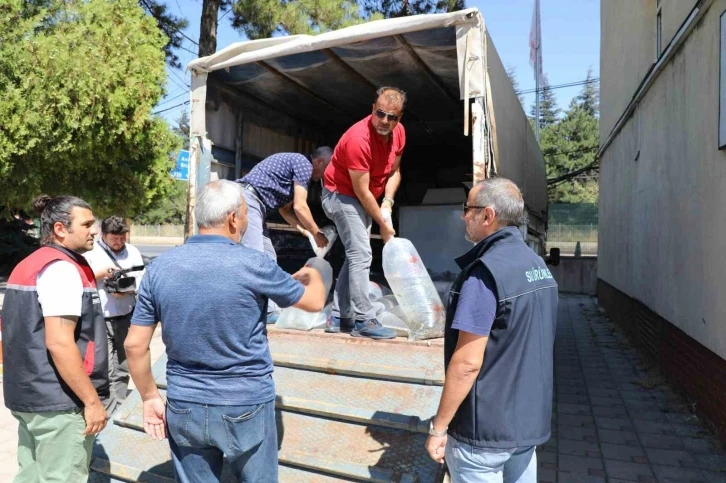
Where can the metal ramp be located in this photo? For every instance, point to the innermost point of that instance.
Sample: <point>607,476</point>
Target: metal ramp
<point>348,409</point>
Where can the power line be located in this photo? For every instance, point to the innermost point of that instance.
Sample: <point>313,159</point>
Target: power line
<point>225,14</point>
<point>581,150</point>
<point>567,176</point>
<point>151,11</point>
<point>183,81</point>
<point>181,86</point>
<point>171,99</point>
<point>184,48</point>
<point>561,86</point>
<point>170,108</point>
<point>174,92</point>
<point>187,37</point>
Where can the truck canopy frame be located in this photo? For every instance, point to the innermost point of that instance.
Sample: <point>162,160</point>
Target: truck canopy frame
<point>314,87</point>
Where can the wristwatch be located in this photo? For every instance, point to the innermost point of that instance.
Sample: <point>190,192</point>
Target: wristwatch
<point>433,432</point>
<point>390,201</point>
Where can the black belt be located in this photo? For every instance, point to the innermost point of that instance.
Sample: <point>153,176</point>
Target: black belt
<point>256,194</point>
<point>251,188</point>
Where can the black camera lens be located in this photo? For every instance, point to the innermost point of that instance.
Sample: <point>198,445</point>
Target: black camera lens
<point>126,282</point>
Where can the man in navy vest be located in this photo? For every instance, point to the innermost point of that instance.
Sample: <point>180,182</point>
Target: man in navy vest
<point>54,340</point>
<point>496,409</point>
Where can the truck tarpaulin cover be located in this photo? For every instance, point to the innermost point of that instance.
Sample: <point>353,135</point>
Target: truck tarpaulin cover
<point>327,82</point>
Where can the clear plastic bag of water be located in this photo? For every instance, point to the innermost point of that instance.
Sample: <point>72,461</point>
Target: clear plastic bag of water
<point>388,301</point>
<point>298,319</point>
<point>392,321</point>
<point>376,291</point>
<point>330,234</point>
<point>417,297</point>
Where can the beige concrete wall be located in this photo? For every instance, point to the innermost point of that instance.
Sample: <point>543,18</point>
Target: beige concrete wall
<point>576,275</point>
<point>627,50</point>
<point>662,216</point>
<point>674,13</point>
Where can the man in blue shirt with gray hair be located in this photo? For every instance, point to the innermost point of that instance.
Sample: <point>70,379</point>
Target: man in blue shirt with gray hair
<point>496,408</point>
<point>211,296</point>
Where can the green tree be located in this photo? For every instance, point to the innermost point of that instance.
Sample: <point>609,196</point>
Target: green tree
<point>208,25</point>
<point>570,145</point>
<point>78,81</point>
<point>259,19</point>
<point>403,8</point>
<point>589,97</point>
<point>182,129</point>
<point>170,209</point>
<point>548,110</point>
<point>170,25</point>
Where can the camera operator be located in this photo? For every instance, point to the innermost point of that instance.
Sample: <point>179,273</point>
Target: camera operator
<point>110,254</point>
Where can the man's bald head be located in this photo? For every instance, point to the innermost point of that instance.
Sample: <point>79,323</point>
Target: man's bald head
<point>391,97</point>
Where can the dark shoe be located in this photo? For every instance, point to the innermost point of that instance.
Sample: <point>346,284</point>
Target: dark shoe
<point>335,325</point>
<point>373,329</point>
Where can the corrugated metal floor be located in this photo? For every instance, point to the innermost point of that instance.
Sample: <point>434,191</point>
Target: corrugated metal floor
<point>347,410</point>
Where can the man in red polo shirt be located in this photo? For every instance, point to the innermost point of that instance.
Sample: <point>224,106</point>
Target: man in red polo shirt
<point>365,167</point>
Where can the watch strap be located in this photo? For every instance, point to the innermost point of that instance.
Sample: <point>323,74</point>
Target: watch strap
<point>433,432</point>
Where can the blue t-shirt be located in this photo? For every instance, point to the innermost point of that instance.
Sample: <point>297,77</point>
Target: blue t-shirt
<point>210,295</point>
<point>477,307</point>
<point>275,178</point>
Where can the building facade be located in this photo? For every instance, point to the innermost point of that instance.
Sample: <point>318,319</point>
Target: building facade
<point>662,214</point>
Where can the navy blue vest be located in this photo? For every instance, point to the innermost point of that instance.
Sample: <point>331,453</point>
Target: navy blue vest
<point>510,404</point>
<point>32,383</point>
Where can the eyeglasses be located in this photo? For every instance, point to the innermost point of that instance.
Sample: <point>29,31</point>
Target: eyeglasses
<point>382,115</point>
<point>466,207</point>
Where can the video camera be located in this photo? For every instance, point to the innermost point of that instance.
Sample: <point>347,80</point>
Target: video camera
<point>119,282</point>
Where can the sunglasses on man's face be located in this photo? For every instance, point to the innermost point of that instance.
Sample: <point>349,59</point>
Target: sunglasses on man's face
<point>382,115</point>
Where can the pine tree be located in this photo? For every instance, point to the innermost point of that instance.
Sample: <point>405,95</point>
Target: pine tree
<point>589,97</point>
<point>170,25</point>
<point>259,19</point>
<point>403,8</point>
<point>548,110</point>
<point>570,144</point>
<point>208,25</point>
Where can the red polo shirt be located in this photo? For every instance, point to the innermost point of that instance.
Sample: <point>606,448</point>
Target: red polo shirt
<point>362,149</point>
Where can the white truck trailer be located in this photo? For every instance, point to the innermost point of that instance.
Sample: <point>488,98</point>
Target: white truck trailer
<point>350,409</point>
<point>463,119</point>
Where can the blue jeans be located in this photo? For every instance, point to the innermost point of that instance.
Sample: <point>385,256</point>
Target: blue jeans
<point>469,464</point>
<point>200,435</point>
<point>257,236</point>
<point>352,299</point>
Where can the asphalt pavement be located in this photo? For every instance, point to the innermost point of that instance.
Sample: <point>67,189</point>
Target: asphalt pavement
<point>152,251</point>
